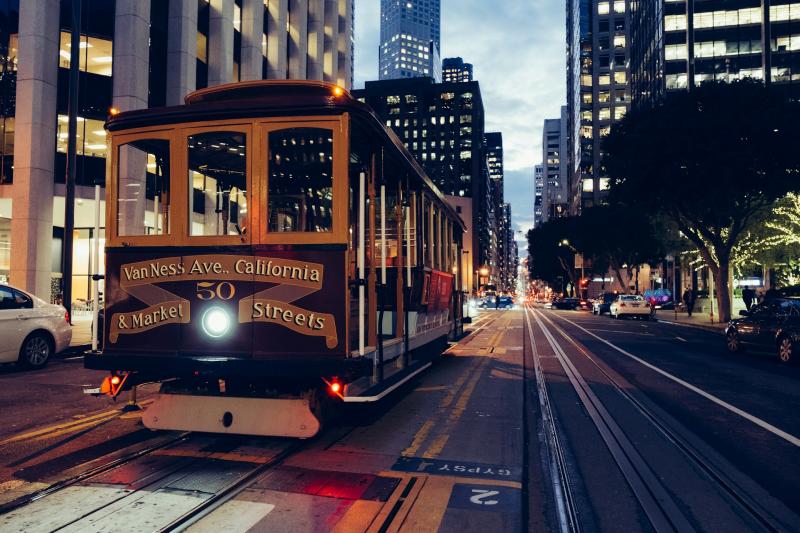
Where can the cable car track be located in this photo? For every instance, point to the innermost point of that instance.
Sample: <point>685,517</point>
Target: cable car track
<point>92,472</point>
<point>659,507</point>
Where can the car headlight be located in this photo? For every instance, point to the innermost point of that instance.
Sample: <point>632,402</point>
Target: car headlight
<point>216,322</point>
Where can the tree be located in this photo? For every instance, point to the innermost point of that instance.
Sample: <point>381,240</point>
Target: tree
<point>548,258</point>
<point>618,238</point>
<point>710,160</point>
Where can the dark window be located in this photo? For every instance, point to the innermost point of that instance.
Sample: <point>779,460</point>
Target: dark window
<point>218,180</point>
<point>11,299</point>
<point>142,167</point>
<point>300,180</point>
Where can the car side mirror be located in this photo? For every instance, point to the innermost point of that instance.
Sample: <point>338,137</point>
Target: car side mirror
<point>744,312</point>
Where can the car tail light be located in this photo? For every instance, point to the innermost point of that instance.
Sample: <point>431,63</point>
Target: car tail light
<point>66,316</point>
<point>622,304</point>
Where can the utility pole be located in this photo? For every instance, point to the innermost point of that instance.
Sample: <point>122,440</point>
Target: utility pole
<point>72,156</point>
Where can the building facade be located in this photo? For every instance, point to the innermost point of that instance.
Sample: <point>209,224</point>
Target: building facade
<point>555,175</point>
<point>455,70</point>
<point>493,148</point>
<point>134,54</point>
<point>410,40</point>
<point>598,94</point>
<point>442,125</point>
<point>680,44</point>
<point>538,195</point>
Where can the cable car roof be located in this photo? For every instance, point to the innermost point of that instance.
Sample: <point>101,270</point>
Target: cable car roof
<point>252,99</point>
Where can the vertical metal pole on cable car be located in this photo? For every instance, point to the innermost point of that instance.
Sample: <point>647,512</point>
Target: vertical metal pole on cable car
<point>407,292</point>
<point>361,219</point>
<point>382,289</point>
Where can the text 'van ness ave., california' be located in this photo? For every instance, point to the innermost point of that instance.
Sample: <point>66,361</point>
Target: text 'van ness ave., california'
<point>223,267</point>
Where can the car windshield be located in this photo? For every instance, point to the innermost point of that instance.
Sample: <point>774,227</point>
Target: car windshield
<point>631,298</point>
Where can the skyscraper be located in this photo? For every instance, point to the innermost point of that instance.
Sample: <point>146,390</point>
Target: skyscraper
<point>597,90</point>
<point>493,143</point>
<point>538,201</point>
<point>679,44</point>
<point>454,69</point>
<point>134,54</point>
<point>555,179</point>
<point>410,45</point>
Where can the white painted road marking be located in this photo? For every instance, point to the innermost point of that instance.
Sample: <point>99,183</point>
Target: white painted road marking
<point>681,339</point>
<point>480,495</point>
<point>732,408</point>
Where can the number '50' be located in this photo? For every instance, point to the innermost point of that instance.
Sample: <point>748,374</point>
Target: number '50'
<point>208,290</point>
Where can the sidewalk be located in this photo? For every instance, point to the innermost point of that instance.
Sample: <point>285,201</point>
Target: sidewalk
<point>697,320</point>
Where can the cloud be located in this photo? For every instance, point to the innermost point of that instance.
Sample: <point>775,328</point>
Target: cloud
<point>518,51</point>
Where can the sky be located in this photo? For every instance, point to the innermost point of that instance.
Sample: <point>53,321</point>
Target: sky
<point>518,55</point>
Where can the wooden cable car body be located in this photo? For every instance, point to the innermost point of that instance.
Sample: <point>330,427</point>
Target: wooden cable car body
<point>271,245</point>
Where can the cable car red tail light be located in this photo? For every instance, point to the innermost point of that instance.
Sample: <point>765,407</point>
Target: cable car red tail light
<point>66,317</point>
<point>335,387</point>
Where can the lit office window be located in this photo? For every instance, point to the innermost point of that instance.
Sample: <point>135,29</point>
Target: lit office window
<point>675,22</point>
<point>604,79</point>
<point>676,81</point>
<point>619,41</point>
<point>603,8</point>
<point>604,113</point>
<point>675,51</point>
<point>620,77</point>
<point>91,137</point>
<point>587,185</point>
<point>619,6</point>
<point>96,55</point>
<point>619,112</point>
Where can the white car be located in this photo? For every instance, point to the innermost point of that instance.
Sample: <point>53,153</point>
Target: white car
<point>31,330</point>
<point>630,305</point>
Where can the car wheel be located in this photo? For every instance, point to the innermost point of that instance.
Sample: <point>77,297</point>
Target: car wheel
<point>785,350</point>
<point>36,350</point>
<point>733,342</point>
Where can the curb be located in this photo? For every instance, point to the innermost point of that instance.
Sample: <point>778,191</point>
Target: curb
<point>706,327</point>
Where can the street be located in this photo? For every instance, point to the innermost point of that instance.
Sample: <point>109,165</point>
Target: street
<point>538,419</point>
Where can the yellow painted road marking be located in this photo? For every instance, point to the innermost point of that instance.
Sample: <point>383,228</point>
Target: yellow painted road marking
<point>67,427</point>
<point>455,415</point>
<point>401,501</point>
<point>422,432</point>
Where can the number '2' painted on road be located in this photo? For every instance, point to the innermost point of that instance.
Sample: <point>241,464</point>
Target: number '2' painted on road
<point>479,496</point>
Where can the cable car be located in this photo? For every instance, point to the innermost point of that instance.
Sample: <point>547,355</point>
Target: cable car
<point>271,248</point>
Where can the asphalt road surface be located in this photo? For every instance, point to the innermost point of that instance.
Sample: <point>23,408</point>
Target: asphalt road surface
<point>538,420</point>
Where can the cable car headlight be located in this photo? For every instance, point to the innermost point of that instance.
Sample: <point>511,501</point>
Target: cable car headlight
<point>216,322</point>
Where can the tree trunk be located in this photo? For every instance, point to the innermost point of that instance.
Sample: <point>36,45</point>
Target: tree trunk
<point>723,290</point>
<point>637,280</point>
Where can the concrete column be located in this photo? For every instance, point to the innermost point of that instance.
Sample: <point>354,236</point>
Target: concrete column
<point>181,50</point>
<point>131,66</point>
<point>220,42</point>
<point>131,60</point>
<point>345,55</point>
<point>298,38</point>
<point>252,35</point>
<point>34,146</point>
<point>316,39</point>
<point>277,40</point>
<point>330,56</point>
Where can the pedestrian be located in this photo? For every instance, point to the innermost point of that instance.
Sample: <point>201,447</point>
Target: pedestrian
<point>748,295</point>
<point>689,299</point>
<point>497,301</point>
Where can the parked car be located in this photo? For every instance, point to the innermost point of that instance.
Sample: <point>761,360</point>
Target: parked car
<point>773,324</point>
<point>31,330</point>
<point>602,303</point>
<point>566,303</point>
<point>630,305</point>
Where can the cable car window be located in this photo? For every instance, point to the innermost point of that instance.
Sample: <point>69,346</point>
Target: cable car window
<point>300,180</point>
<point>218,180</point>
<point>143,199</point>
